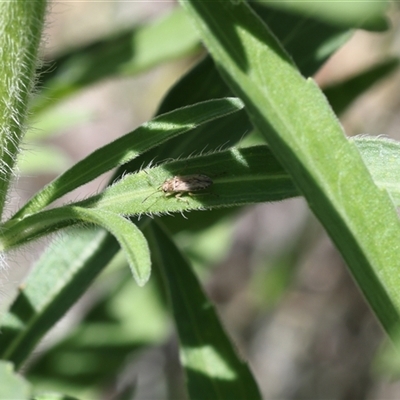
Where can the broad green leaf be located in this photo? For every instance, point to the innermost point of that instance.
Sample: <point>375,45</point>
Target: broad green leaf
<point>212,367</point>
<point>130,146</point>
<point>124,53</point>
<point>304,135</point>
<point>56,282</point>
<point>12,386</point>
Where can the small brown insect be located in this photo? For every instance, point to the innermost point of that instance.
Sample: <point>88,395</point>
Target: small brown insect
<point>186,184</point>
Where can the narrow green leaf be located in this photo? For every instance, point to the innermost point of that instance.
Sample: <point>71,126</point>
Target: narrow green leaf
<point>212,366</point>
<point>305,136</point>
<point>12,386</point>
<point>239,176</point>
<point>129,236</point>
<point>129,146</point>
<point>56,282</point>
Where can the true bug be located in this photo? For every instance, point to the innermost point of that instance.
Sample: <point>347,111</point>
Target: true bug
<point>182,184</point>
<point>185,184</point>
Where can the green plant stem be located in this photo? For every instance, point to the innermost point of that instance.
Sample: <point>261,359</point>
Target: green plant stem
<point>20,32</point>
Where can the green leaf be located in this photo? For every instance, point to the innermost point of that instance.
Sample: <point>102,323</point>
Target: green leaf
<point>382,157</point>
<point>213,369</point>
<point>129,236</point>
<point>304,135</point>
<point>129,146</point>
<point>239,176</point>
<point>56,282</point>
<point>12,386</point>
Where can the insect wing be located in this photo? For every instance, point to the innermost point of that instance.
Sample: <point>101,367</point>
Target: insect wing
<point>186,183</point>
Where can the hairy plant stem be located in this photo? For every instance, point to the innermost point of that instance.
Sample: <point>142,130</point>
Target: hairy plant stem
<point>21,25</point>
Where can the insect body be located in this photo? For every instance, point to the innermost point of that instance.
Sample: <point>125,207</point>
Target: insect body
<point>186,184</point>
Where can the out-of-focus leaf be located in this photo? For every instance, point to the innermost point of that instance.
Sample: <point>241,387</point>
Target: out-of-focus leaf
<point>53,396</point>
<point>341,95</point>
<point>308,40</point>
<point>126,53</point>
<point>12,386</point>
<point>55,120</point>
<point>356,14</point>
<point>44,160</point>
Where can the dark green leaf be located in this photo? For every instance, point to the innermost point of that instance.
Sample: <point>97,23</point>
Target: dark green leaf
<point>213,369</point>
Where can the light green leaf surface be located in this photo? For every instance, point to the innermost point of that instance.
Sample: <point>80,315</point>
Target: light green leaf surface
<point>305,136</point>
<point>382,157</point>
<point>12,386</point>
<point>130,146</point>
<point>213,369</point>
<point>239,176</point>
